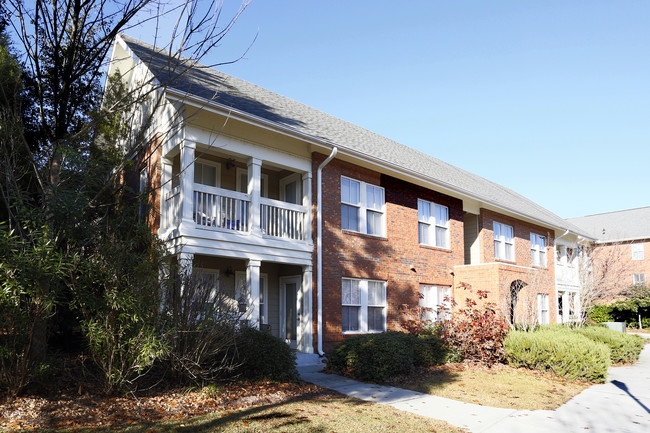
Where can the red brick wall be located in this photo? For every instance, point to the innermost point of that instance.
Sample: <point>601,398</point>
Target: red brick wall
<point>349,254</point>
<point>150,159</point>
<point>496,276</point>
<point>617,259</point>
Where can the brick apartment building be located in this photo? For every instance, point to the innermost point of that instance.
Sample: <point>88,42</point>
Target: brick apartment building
<point>623,237</point>
<point>322,229</point>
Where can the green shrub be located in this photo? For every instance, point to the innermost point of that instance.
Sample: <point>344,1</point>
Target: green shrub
<point>623,347</point>
<point>377,357</point>
<point>429,350</point>
<point>564,353</point>
<point>263,356</point>
<point>601,313</point>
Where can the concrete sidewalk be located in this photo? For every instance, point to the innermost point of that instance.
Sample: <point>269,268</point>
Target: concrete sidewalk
<point>622,405</point>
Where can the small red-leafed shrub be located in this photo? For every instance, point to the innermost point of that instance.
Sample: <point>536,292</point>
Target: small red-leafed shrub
<point>476,332</point>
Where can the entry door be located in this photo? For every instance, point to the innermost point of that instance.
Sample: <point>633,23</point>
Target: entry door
<point>289,309</point>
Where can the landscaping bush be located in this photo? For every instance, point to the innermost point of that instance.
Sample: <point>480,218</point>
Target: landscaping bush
<point>476,333</point>
<point>601,313</point>
<point>263,356</point>
<point>377,357</point>
<point>623,347</point>
<point>566,354</point>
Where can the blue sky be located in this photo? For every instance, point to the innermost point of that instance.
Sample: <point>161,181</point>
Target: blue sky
<point>549,98</point>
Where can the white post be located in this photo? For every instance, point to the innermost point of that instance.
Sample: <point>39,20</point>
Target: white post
<point>306,202</point>
<point>253,292</point>
<point>305,329</point>
<point>254,190</point>
<point>187,184</point>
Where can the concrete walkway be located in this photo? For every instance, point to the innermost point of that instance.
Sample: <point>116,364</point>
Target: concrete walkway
<point>622,405</point>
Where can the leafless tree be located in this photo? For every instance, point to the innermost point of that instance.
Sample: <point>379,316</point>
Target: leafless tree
<point>603,271</point>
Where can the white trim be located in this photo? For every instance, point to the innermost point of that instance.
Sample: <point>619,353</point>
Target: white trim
<point>209,163</point>
<point>294,177</point>
<point>501,251</point>
<point>240,277</point>
<point>543,310</point>
<point>297,280</point>
<point>363,306</point>
<point>433,223</point>
<point>430,182</point>
<point>538,254</point>
<point>244,172</point>
<point>431,299</point>
<point>638,250</point>
<point>362,206</point>
<point>198,272</point>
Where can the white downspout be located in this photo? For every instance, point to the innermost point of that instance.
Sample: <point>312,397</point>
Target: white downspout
<point>319,247</point>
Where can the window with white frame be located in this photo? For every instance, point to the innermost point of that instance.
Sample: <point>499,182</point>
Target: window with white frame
<point>433,224</point>
<point>205,280</point>
<point>363,305</point>
<point>639,278</point>
<point>570,256</point>
<point>435,302</point>
<point>538,249</point>
<point>560,254</point>
<point>637,252</point>
<point>207,173</point>
<point>542,309</point>
<point>363,207</point>
<point>504,242</point>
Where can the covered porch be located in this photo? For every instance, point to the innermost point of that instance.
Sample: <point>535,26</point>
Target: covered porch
<point>275,297</point>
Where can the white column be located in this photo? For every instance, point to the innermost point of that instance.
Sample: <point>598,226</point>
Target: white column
<point>577,308</point>
<point>306,202</point>
<point>566,307</point>
<point>187,183</point>
<point>166,215</point>
<point>254,190</point>
<point>305,330</point>
<point>253,292</point>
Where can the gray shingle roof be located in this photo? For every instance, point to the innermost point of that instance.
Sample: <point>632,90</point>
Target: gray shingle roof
<point>622,225</point>
<point>229,91</point>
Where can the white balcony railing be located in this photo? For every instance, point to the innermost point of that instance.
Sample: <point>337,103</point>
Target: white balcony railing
<point>220,208</point>
<point>282,219</point>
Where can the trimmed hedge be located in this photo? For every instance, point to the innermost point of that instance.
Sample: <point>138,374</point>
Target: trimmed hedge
<point>377,357</point>
<point>263,356</point>
<point>566,354</point>
<point>623,347</point>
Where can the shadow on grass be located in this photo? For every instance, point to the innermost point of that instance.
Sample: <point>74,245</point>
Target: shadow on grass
<point>425,380</point>
<point>269,417</point>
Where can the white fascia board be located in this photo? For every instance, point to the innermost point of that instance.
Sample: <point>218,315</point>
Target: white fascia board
<point>613,241</point>
<point>215,107</point>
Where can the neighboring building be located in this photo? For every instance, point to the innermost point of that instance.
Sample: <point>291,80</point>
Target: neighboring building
<point>322,228</point>
<point>623,237</point>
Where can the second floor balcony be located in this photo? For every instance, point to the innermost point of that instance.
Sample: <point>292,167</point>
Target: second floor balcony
<point>223,194</point>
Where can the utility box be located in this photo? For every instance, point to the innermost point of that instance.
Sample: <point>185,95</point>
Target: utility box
<point>616,326</point>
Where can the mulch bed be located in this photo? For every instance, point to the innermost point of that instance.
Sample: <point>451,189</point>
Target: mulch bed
<point>73,399</point>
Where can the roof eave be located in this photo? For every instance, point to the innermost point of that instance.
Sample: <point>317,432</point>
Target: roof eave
<point>244,116</point>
